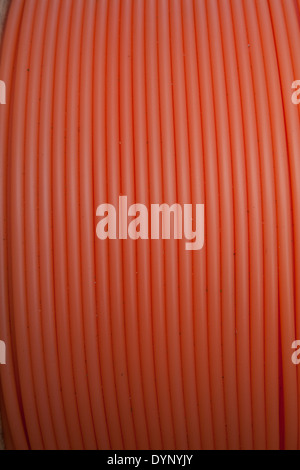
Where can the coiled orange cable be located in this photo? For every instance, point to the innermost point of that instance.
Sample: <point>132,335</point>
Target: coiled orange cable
<point>139,343</point>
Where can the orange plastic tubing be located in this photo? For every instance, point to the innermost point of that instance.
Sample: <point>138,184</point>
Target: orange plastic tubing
<point>131,342</point>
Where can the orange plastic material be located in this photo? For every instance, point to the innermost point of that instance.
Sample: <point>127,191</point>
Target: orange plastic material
<point>141,344</point>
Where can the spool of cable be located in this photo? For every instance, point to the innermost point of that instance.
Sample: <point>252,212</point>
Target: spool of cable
<point>149,224</point>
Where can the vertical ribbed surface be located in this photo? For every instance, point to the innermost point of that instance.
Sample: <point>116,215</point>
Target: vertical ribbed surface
<point>141,344</point>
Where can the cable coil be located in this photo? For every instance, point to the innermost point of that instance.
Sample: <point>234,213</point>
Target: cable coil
<point>141,344</point>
